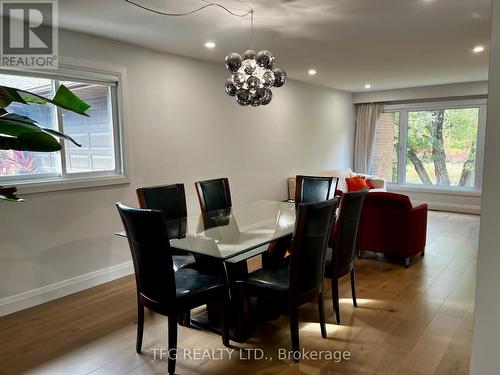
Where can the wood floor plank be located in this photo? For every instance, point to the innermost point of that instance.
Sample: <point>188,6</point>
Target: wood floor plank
<point>412,321</point>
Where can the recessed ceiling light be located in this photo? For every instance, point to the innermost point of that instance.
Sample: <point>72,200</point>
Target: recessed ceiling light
<point>478,49</point>
<point>312,72</point>
<point>210,45</point>
<point>368,86</point>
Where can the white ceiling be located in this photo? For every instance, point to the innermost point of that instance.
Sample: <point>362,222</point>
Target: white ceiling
<point>388,43</point>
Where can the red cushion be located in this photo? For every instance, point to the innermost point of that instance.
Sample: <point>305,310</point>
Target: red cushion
<point>356,183</point>
<point>368,181</point>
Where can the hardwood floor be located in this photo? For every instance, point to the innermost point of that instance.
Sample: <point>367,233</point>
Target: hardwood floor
<point>408,321</point>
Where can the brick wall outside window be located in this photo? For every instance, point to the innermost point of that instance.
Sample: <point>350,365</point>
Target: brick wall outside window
<point>385,138</point>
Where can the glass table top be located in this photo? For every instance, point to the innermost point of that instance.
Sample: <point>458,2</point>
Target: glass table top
<point>232,234</point>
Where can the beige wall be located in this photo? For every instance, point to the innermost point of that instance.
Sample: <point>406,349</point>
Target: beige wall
<point>180,127</point>
<point>485,348</point>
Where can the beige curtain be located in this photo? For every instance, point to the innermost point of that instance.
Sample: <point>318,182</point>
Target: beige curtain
<point>366,119</point>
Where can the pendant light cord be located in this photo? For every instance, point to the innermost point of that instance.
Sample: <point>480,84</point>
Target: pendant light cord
<point>250,12</point>
<point>191,11</point>
<point>252,26</point>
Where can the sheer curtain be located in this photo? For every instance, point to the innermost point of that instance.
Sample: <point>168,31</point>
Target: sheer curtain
<point>367,116</point>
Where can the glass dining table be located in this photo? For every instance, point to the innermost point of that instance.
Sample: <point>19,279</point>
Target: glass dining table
<point>228,238</point>
<point>232,234</point>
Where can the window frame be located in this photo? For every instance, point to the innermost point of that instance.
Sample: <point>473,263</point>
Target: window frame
<point>403,109</point>
<point>53,182</point>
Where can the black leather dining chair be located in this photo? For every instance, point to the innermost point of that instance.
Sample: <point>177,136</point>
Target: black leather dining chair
<point>171,200</point>
<point>159,288</point>
<point>341,254</point>
<point>302,280</point>
<point>213,194</point>
<point>310,189</point>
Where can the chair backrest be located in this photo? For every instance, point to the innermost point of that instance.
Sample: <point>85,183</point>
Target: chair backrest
<point>150,248</point>
<point>346,231</point>
<point>213,194</point>
<point>171,199</point>
<point>313,189</point>
<point>388,201</point>
<point>310,240</point>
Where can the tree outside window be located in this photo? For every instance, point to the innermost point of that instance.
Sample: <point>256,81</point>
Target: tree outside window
<point>437,147</point>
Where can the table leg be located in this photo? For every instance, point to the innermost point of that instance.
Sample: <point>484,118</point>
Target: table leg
<point>239,305</point>
<point>239,316</point>
<point>244,316</point>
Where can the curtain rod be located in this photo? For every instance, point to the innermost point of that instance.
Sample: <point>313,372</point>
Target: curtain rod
<point>426,100</point>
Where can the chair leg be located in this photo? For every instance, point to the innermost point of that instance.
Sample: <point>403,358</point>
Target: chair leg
<point>187,318</point>
<point>184,318</point>
<point>407,262</point>
<point>335,298</point>
<point>140,326</point>
<point>321,308</point>
<point>224,322</point>
<point>294,332</point>
<point>423,252</point>
<point>172,342</point>
<point>353,288</point>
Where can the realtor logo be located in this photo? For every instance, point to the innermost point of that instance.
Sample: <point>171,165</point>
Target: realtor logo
<point>29,34</point>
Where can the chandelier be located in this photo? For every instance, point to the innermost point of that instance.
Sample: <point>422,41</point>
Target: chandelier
<point>253,74</point>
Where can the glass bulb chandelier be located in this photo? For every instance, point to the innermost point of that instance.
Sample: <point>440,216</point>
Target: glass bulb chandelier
<point>253,74</point>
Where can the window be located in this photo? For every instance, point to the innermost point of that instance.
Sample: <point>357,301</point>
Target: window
<point>99,134</point>
<point>94,133</point>
<point>432,144</point>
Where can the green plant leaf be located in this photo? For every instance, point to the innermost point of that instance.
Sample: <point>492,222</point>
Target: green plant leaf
<point>64,98</point>
<point>14,125</point>
<point>9,143</point>
<point>22,133</point>
<point>18,118</point>
<point>11,198</point>
<point>9,194</point>
<point>38,141</point>
<point>29,97</point>
<point>58,134</point>
<point>9,95</point>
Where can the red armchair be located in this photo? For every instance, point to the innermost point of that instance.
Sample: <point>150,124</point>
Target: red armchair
<point>391,225</point>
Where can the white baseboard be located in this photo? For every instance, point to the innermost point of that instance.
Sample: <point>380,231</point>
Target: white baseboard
<point>467,202</point>
<point>60,289</point>
<point>451,207</point>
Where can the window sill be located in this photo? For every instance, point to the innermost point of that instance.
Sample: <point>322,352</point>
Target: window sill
<point>433,190</point>
<point>48,185</point>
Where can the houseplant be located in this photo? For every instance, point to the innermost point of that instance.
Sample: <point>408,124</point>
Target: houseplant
<point>21,133</point>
